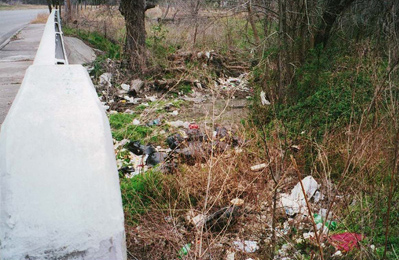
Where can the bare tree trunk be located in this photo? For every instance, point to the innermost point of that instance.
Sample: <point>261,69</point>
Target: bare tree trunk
<point>333,9</point>
<point>68,10</point>
<point>252,23</point>
<point>195,13</point>
<point>282,47</point>
<point>133,11</point>
<point>49,5</point>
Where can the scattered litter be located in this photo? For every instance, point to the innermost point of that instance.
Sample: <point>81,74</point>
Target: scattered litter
<point>136,86</point>
<point>295,202</point>
<point>155,158</point>
<point>175,113</point>
<point>179,123</point>
<point>120,143</point>
<point>152,98</point>
<point>127,170</point>
<point>125,87</point>
<point>136,122</point>
<point>247,246</point>
<point>168,219</point>
<point>317,196</point>
<point>106,107</point>
<point>184,250</point>
<point>337,254</point>
<point>193,126</point>
<point>105,80</point>
<point>285,250</point>
<point>345,241</point>
<point>308,235</point>
<point>295,148</point>
<point>154,122</point>
<point>131,99</point>
<point>258,167</point>
<point>231,83</point>
<point>263,99</point>
<point>199,220</point>
<point>237,202</point>
<point>137,148</point>
<point>332,225</point>
<point>196,100</point>
<point>174,141</point>
<point>230,255</point>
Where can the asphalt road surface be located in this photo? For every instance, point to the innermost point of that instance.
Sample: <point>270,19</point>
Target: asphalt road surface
<point>14,20</point>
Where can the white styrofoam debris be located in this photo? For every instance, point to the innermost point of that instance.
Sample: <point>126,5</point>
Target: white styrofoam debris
<point>247,246</point>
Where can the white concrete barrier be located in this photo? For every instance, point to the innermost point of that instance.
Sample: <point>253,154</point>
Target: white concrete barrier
<point>50,53</point>
<point>59,187</point>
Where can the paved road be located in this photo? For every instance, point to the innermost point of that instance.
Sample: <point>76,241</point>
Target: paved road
<point>15,58</point>
<point>14,20</point>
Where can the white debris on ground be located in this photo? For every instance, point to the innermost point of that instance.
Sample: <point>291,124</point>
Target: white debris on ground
<point>179,123</point>
<point>126,159</point>
<point>246,246</point>
<point>125,87</point>
<point>263,99</point>
<point>258,167</point>
<point>295,203</point>
<point>240,83</point>
<point>105,80</point>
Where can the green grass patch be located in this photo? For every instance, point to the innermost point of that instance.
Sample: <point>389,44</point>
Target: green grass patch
<point>122,127</point>
<point>96,40</point>
<point>140,193</point>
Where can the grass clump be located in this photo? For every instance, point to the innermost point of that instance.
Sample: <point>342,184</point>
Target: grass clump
<point>123,128</point>
<point>140,192</point>
<point>96,40</point>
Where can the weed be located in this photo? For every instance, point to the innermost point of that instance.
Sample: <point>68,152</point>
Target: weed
<point>40,18</point>
<point>139,192</point>
<point>96,40</point>
<point>185,88</point>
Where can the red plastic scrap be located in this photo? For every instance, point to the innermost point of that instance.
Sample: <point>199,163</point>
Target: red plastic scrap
<point>193,126</point>
<point>345,241</point>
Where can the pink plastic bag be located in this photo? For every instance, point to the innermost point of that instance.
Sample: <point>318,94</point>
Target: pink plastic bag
<point>345,241</point>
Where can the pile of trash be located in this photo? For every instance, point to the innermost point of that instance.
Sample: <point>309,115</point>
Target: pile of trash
<point>306,193</point>
<point>123,97</point>
<point>239,83</point>
<point>189,145</point>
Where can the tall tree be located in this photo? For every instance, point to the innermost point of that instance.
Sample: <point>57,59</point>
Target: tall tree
<point>334,8</point>
<point>134,12</point>
<point>49,5</point>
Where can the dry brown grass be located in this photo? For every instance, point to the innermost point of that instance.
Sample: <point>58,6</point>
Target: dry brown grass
<point>4,6</point>
<point>204,188</point>
<point>41,18</point>
<point>215,30</point>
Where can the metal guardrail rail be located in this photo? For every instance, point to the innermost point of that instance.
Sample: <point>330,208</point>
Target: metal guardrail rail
<point>51,49</point>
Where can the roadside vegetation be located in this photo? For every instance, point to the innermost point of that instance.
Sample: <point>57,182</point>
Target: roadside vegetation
<point>294,94</point>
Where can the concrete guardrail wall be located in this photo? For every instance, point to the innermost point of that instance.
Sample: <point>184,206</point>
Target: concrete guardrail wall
<point>59,186</point>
